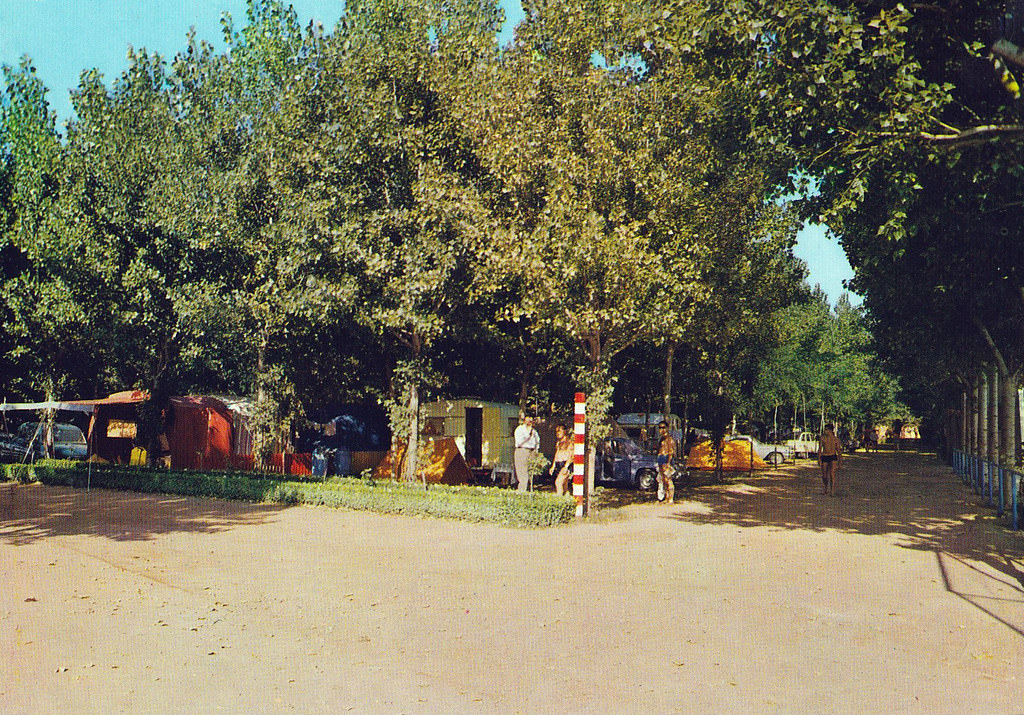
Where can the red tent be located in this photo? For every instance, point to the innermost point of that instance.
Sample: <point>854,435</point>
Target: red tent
<point>199,433</point>
<point>198,429</point>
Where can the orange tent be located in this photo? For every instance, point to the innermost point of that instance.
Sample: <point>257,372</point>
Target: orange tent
<point>737,456</point>
<point>441,462</point>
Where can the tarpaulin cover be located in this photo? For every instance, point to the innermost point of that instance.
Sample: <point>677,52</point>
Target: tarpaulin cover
<point>737,456</point>
<point>441,462</point>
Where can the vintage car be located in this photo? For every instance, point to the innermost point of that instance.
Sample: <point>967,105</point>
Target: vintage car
<point>622,462</point>
<point>68,441</point>
<point>773,454</point>
<point>805,445</point>
<point>12,449</point>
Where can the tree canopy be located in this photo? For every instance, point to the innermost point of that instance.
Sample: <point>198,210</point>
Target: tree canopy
<point>399,206</point>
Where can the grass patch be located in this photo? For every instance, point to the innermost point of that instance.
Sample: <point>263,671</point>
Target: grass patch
<point>480,504</point>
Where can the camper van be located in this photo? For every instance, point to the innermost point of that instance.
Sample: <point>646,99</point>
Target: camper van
<point>482,430</point>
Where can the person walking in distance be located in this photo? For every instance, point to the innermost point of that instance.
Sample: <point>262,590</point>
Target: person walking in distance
<point>527,443</point>
<point>666,453</point>
<point>830,456</point>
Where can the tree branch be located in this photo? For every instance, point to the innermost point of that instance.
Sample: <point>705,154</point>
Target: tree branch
<point>1008,51</point>
<point>931,7</point>
<point>1000,362</point>
<point>977,135</point>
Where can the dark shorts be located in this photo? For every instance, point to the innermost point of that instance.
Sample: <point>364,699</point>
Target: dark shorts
<point>826,458</point>
<point>662,459</point>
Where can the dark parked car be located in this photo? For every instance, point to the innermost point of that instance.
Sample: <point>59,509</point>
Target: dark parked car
<point>621,461</point>
<point>11,448</point>
<point>68,441</point>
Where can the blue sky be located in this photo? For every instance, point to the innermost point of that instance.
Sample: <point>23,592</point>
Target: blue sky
<point>66,37</point>
<point>826,261</point>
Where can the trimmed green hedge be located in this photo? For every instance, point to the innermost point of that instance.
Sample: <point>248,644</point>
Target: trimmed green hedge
<point>485,504</point>
<point>48,469</point>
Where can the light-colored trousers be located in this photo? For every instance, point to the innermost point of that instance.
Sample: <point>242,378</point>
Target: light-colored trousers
<point>522,460</point>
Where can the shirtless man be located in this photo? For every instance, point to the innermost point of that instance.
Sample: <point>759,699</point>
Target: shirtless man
<point>830,456</point>
<point>666,453</point>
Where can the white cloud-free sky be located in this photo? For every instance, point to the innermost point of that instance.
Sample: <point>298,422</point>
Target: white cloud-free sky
<point>66,37</point>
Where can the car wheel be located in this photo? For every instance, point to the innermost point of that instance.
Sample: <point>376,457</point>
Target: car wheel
<point>647,479</point>
<point>775,459</point>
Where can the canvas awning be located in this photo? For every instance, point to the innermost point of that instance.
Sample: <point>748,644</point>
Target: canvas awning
<point>31,406</point>
<point>125,397</point>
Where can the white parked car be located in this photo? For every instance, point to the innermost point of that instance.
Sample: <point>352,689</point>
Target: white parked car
<point>805,445</point>
<point>773,454</point>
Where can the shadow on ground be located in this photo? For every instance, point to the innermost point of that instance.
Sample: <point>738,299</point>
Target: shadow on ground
<point>910,495</point>
<point>31,512</point>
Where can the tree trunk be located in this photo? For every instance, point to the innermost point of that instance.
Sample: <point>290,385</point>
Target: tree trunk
<point>524,389</point>
<point>983,414</point>
<point>1016,418</point>
<point>993,414</point>
<point>686,423</point>
<point>262,447</point>
<point>646,441</point>
<point>964,438</point>
<point>670,353</point>
<point>972,418</point>
<point>413,447</point>
<point>391,392</point>
<point>152,420</point>
<point>1007,420</point>
<point>1007,431</point>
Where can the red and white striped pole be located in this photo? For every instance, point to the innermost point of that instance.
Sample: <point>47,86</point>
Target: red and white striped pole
<point>579,450</point>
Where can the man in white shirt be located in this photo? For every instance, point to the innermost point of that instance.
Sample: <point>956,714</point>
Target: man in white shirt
<point>527,443</point>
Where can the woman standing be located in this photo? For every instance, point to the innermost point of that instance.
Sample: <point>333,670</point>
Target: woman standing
<point>830,456</point>
<point>562,462</point>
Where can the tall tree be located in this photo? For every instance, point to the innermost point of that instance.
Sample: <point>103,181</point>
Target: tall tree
<point>55,330</point>
<point>415,216</point>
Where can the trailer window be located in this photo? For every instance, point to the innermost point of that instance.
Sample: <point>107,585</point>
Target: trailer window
<point>122,429</point>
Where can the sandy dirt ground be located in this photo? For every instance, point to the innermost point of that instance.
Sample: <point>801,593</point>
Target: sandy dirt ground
<point>899,595</point>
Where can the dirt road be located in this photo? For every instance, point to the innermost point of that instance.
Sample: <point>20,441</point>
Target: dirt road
<point>900,595</point>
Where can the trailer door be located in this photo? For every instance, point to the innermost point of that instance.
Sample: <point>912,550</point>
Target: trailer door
<point>474,436</point>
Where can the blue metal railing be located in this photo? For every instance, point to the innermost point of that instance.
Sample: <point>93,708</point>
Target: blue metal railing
<point>986,479</point>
